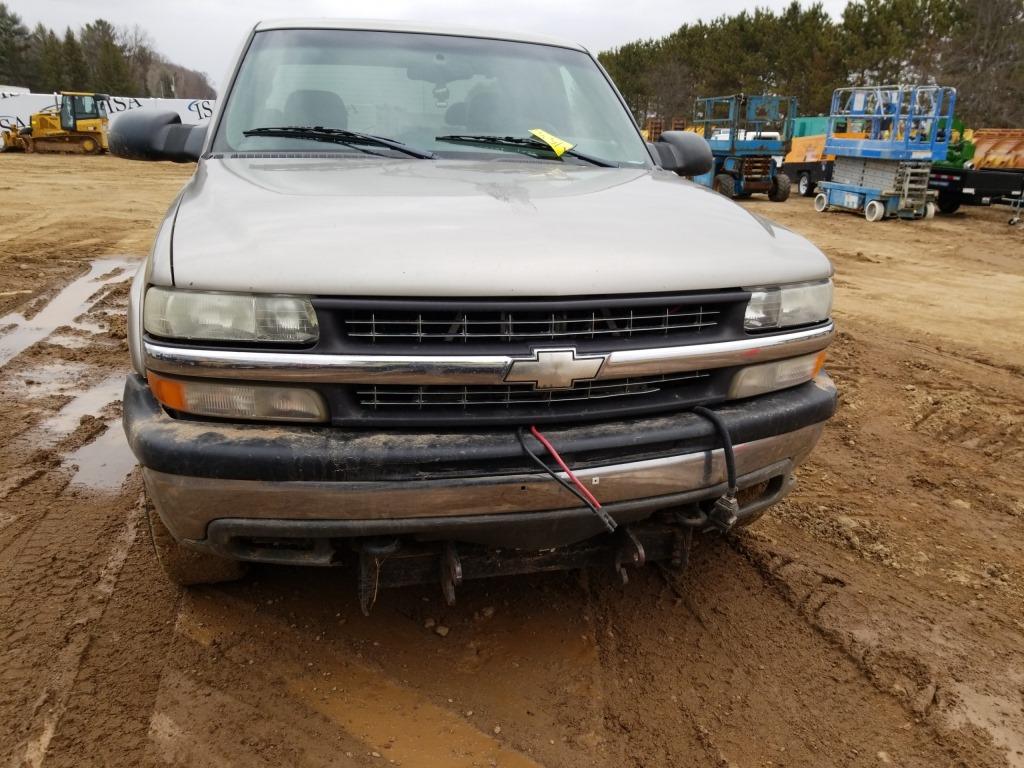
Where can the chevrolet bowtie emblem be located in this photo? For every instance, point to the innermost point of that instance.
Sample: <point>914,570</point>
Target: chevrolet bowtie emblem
<point>554,369</point>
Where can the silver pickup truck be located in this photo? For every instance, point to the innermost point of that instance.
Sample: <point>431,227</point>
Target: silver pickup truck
<point>432,308</point>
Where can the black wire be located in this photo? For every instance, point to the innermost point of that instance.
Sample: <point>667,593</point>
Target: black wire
<point>540,463</point>
<point>603,516</point>
<point>723,434</point>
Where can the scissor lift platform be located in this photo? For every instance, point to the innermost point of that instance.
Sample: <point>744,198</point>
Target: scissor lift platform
<point>885,173</point>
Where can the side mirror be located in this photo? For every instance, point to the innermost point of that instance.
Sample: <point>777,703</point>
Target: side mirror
<point>156,136</point>
<point>684,152</point>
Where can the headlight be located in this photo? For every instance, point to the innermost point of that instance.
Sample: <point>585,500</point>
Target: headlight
<point>780,374</point>
<point>788,306</point>
<point>229,400</point>
<point>215,316</point>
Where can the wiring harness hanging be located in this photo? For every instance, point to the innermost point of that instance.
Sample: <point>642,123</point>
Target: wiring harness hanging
<point>574,485</point>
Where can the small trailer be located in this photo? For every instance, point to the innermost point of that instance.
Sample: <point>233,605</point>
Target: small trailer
<point>884,172</point>
<point>985,166</point>
<point>975,186</point>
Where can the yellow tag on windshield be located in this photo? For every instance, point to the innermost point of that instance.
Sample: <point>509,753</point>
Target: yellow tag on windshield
<point>558,146</point>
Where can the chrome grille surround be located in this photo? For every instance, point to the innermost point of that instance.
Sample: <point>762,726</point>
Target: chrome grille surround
<point>276,366</point>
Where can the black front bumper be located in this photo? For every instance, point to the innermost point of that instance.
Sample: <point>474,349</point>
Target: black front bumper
<point>299,494</point>
<point>287,453</point>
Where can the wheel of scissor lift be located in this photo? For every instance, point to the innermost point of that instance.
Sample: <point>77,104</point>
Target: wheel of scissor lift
<point>874,211</point>
<point>821,202</point>
<point>929,210</point>
<point>805,186</point>
<point>779,190</point>
<point>186,567</point>
<point>724,184</point>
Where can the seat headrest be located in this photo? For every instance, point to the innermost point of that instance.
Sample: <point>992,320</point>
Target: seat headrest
<point>323,109</point>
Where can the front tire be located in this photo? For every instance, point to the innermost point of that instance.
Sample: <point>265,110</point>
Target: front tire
<point>186,567</point>
<point>779,191</point>
<point>724,184</point>
<point>821,202</point>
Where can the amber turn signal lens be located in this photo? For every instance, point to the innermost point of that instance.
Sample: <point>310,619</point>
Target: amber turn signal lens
<point>169,392</point>
<point>239,400</point>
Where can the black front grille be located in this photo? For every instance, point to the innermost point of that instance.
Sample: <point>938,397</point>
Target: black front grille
<point>469,398</point>
<point>396,326</point>
<point>520,328</point>
<point>517,326</point>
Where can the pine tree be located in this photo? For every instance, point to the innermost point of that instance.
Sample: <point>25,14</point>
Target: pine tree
<point>76,72</point>
<point>109,69</point>
<point>13,46</point>
<point>51,63</point>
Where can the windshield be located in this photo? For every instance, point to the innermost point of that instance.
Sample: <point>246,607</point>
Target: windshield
<point>417,89</point>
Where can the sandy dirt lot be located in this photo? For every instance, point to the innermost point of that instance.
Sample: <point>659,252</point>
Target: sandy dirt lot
<point>876,618</point>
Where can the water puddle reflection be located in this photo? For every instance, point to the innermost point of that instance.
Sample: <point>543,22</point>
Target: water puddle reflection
<point>73,301</point>
<point>104,463</point>
<point>88,403</point>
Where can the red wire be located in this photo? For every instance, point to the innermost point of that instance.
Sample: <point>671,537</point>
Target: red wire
<point>558,459</point>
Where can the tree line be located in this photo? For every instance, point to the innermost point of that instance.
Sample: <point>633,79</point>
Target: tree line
<point>100,57</point>
<point>976,46</point>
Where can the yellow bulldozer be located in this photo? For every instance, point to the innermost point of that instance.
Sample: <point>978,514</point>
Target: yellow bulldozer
<point>77,122</point>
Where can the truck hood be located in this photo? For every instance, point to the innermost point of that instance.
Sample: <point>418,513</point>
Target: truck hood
<point>381,227</point>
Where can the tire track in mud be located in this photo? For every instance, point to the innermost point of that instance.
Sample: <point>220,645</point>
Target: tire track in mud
<point>756,681</point>
<point>62,547</point>
<point>54,585</point>
<point>353,702</point>
<point>916,658</point>
<point>52,702</point>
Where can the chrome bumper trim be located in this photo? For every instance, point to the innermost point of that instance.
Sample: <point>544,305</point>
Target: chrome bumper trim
<point>469,369</point>
<point>188,504</point>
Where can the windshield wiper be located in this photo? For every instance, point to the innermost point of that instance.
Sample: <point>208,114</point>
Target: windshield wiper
<point>516,142</point>
<point>338,136</point>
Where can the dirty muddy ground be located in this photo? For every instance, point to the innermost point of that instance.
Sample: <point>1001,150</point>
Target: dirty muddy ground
<point>875,618</point>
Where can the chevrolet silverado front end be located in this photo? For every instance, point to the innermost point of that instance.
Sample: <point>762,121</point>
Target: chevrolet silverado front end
<point>414,269</point>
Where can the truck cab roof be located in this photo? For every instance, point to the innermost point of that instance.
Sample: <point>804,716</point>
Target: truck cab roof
<point>383,25</point>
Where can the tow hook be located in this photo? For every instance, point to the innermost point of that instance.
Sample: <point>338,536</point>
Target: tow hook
<point>372,554</point>
<point>682,541</point>
<point>630,551</point>
<point>451,572</point>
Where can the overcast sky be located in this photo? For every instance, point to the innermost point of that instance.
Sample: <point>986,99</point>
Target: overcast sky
<point>204,34</point>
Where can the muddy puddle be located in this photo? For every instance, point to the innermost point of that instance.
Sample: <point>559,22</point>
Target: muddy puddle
<point>104,463</point>
<point>73,301</point>
<point>62,378</point>
<point>91,402</point>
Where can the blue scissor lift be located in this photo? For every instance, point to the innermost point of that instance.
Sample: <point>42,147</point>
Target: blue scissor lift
<point>746,135</point>
<point>884,173</point>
